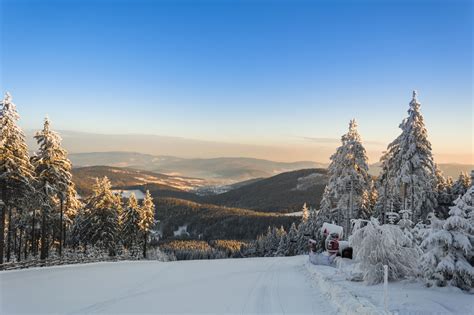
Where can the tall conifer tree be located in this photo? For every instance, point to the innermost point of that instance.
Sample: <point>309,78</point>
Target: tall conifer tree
<point>16,172</point>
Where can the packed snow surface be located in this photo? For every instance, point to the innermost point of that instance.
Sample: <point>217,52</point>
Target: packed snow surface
<point>244,286</point>
<point>282,285</point>
<point>404,297</point>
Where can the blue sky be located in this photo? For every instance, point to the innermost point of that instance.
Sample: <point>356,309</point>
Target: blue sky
<point>258,72</point>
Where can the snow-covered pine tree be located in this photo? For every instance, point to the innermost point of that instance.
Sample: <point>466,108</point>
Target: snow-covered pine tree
<point>304,230</point>
<point>407,227</point>
<point>101,222</point>
<point>327,210</point>
<point>315,223</point>
<point>72,206</point>
<point>442,187</point>
<point>410,161</point>
<point>16,172</point>
<point>272,240</point>
<point>283,246</point>
<point>466,204</point>
<point>376,245</point>
<point>449,189</point>
<point>349,184</point>
<point>287,244</point>
<point>292,240</point>
<point>388,199</point>
<point>130,224</point>
<point>147,219</point>
<point>433,246</point>
<point>304,213</point>
<point>419,231</point>
<point>461,185</point>
<point>53,171</point>
<point>448,250</point>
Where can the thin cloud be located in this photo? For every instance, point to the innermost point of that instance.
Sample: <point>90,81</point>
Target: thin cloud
<point>337,141</point>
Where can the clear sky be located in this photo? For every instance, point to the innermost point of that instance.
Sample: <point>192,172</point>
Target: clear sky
<point>280,73</point>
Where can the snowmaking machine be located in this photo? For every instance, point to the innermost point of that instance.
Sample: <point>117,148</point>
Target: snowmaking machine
<point>332,244</point>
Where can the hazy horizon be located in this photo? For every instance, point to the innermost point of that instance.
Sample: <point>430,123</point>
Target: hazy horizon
<point>319,152</point>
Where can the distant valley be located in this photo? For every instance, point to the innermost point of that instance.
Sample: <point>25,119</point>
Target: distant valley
<point>285,192</point>
<point>216,171</point>
<point>242,211</point>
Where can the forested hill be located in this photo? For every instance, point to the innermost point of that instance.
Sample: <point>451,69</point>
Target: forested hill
<point>286,192</point>
<point>215,222</point>
<point>84,178</point>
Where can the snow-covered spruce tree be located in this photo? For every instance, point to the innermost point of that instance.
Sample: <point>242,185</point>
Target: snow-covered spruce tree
<point>288,245</point>
<point>314,225</point>
<point>327,212</point>
<point>100,226</point>
<point>388,199</point>
<point>53,171</point>
<point>407,227</point>
<point>16,172</point>
<point>72,206</point>
<point>433,246</point>
<point>449,248</point>
<point>283,246</point>
<point>461,185</point>
<point>376,245</point>
<point>304,230</point>
<point>304,213</point>
<point>130,225</point>
<point>442,188</point>
<point>349,182</point>
<point>272,240</point>
<point>410,161</point>
<point>292,240</point>
<point>147,219</point>
<point>443,192</point>
<point>419,232</point>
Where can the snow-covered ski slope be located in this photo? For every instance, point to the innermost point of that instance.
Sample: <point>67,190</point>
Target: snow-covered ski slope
<point>237,286</point>
<point>283,285</point>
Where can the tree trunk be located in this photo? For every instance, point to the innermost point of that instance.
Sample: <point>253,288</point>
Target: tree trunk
<point>2,224</point>
<point>144,244</point>
<point>61,228</point>
<point>20,237</point>
<point>64,235</point>
<point>9,233</point>
<point>25,248</point>
<point>34,244</point>
<point>15,241</point>
<point>44,241</point>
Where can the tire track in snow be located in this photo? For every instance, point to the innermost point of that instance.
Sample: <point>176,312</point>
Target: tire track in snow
<point>258,281</point>
<point>129,293</point>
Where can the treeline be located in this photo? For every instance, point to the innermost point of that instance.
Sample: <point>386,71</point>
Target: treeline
<point>211,222</point>
<point>40,209</point>
<point>195,249</point>
<point>286,242</point>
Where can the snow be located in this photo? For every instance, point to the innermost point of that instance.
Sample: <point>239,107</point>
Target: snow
<point>294,214</point>
<point>127,193</point>
<point>275,285</point>
<point>329,228</point>
<point>182,230</point>
<point>253,285</point>
<point>307,182</point>
<point>405,297</point>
